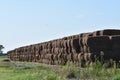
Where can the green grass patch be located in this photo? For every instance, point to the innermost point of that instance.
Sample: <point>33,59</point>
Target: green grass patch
<point>3,57</point>
<point>28,73</point>
<point>33,71</point>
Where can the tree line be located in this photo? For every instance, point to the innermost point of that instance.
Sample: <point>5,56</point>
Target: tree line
<point>1,48</point>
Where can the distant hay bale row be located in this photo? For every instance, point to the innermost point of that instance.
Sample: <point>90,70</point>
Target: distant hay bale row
<point>79,49</point>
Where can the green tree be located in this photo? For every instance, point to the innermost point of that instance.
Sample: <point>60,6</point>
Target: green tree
<point>1,47</point>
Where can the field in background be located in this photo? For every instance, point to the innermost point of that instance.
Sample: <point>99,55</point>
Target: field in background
<point>35,71</point>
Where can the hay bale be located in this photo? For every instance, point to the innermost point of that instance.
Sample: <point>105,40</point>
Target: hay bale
<point>75,58</point>
<point>99,43</point>
<point>81,60</point>
<point>96,33</point>
<point>75,45</point>
<point>65,44</point>
<point>115,43</point>
<point>56,50</point>
<point>110,32</point>
<point>69,57</point>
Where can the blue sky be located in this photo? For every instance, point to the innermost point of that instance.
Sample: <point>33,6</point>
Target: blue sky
<point>24,22</point>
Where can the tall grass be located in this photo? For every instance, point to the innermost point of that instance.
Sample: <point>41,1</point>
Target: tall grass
<point>98,71</point>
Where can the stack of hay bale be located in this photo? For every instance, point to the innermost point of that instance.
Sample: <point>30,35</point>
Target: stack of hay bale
<point>79,49</point>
